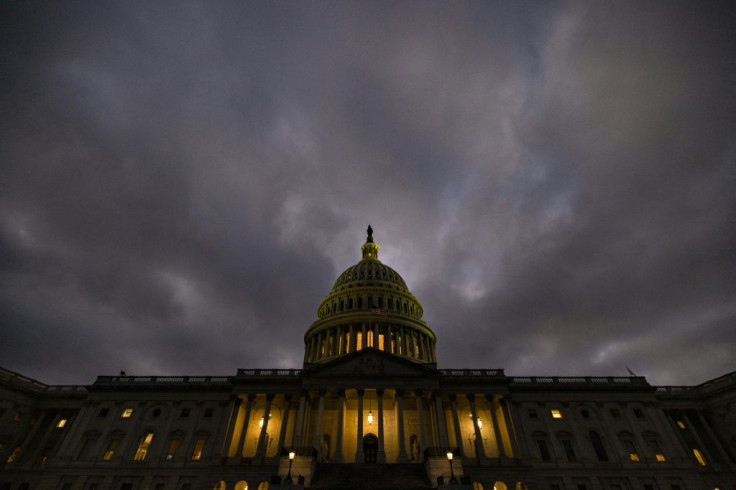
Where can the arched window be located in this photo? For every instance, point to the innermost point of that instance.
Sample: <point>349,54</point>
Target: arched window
<point>263,485</point>
<point>627,441</point>
<point>143,445</point>
<point>360,302</point>
<point>597,443</point>
<point>241,485</point>
<point>543,446</point>
<point>220,485</point>
<point>350,303</point>
<point>499,485</point>
<point>652,440</point>
<point>477,485</point>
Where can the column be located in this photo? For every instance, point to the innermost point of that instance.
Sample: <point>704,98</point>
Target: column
<point>709,458</point>
<point>351,331</point>
<point>359,456</point>
<point>317,436</point>
<point>496,428</point>
<point>260,449</point>
<point>381,447</point>
<point>225,422</point>
<point>338,458</point>
<point>479,450</point>
<point>403,458</point>
<point>422,429</point>
<point>77,429</point>
<point>299,420</point>
<point>456,424</point>
<point>244,429</point>
<point>440,420</point>
<point>723,457</point>
<point>284,425</point>
<point>229,445</point>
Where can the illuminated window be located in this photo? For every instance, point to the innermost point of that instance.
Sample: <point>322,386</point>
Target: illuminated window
<point>13,455</point>
<point>657,450</point>
<point>699,457</point>
<point>127,413</point>
<point>173,448</point>
<point>380,341</point>
<point>347,342</point>
<point>110,451</point>
<point>556,414</point>
<point>680,424</point>
<point>143,446</point>
<point>61,423</point>
<point>359,341</point>
<point>198,447</point>
<point>630,449</point>
<point>369,338</point>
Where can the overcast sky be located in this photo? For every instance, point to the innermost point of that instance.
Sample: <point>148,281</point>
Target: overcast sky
<point>182,182</point>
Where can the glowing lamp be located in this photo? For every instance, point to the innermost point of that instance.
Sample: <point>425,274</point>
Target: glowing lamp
<point>370,417</point>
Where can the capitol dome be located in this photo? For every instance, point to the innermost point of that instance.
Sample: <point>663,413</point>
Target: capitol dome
<point>369,306</point>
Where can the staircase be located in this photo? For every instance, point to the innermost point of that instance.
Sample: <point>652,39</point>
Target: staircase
<point>370,477</point>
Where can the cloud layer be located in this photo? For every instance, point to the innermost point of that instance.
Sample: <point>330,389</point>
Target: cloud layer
<point>182,183</point>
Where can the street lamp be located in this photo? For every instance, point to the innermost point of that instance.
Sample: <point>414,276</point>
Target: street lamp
<point>452,472</point>
<point>291,461</point>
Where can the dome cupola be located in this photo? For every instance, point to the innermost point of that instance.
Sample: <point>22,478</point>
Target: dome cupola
<point>369,306</point>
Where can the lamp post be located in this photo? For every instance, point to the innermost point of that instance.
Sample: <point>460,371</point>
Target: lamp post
<point>291,461</point>
<point>452,472</point>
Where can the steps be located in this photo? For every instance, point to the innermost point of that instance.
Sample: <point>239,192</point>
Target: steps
<point>370,477</point>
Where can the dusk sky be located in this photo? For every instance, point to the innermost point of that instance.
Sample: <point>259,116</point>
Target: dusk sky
<point>182,182</point>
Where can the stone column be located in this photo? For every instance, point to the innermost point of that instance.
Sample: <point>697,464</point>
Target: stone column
<point>338,458</point>
<point>224,422</point>
<point>703,450</point>
<point>440,420</point>
<point>284,425</point>
<point>456,424</point>
<point>479,449</point>
<point>229,445</point>
<point>317,436</point>
<point>260,449</point>
<point>723,457</point>
<point>244,429</point>
<point>403,458</point>
<point>422,428</point>
<point>496,428</point>
<point>299,420</point>
<point>359,456</point>
<point>381,447</point>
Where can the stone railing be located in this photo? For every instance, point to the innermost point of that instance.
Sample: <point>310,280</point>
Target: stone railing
<point>485,373</point>
<point>159,380</point>
<point>580,380</point>
<point>23,382</point>
<point>269,372</point>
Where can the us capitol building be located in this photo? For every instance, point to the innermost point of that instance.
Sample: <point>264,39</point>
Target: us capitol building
<point>368,409</point>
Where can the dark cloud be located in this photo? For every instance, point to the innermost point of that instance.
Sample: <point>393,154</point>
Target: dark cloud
<point>183,182</point>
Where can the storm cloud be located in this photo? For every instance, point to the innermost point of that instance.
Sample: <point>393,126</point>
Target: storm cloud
<point>183,182</point>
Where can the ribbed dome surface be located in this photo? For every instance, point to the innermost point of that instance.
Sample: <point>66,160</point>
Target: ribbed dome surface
<point>369,272</point>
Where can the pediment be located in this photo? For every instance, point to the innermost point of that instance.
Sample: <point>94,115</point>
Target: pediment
<point>370,362</point>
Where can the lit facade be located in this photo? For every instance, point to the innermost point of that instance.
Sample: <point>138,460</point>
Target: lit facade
<point>369,409</point>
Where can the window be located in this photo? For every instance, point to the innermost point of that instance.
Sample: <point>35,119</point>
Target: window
<point>359,341</point>
<point>656,449</point>
<point>615,413</point>
<point>532,412</point>
<point>597,443</point>
<point>185,412</point>
<point>569,451</point>
<point>198,447</point>
<point>127,413</point>
<point>680,424</point>
<point>208,412</point>
<point>380,341</point>
<point>173,448</point>
<point>103,412</point>
<point>84,452</point>
<point>638,413</point>
<point>61,423</point>
<point>556,413</point>
<point>110,451</point>
<point>699,457</point>
<point>585,413</point>
<point>156,413</point>
<point>143,445</point>
<point>630,448</point>
<point>543,450</point>
<point>13,455</point>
